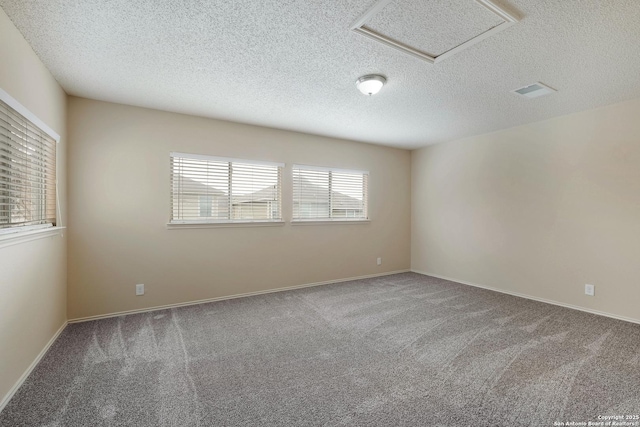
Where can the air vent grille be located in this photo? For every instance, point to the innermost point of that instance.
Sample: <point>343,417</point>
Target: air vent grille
<point>535,90</point>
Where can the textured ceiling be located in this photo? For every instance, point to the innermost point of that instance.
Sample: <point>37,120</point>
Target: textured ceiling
<point>433,26</point>
<point>292,64</point>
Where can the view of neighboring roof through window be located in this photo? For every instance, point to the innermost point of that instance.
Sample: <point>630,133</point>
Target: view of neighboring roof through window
<point>206,189</point>
<point>326,194</point>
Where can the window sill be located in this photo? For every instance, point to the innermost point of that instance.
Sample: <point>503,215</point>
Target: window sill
<point>19,237</point>
<point>330,221</point>
<point>179,226</point>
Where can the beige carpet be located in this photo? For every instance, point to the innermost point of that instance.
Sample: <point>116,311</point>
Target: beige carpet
<point>397,350</point>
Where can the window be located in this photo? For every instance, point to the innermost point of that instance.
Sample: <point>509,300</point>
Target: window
<point>329,194</point>
<point>207,189</point>
<point>27,170</point>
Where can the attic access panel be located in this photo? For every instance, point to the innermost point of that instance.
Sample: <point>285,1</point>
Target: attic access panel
<point>449,26</point>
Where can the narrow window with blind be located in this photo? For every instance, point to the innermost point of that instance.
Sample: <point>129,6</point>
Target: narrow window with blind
<point>207,189</point>
<point>27,171</point>
<point>325,194</point>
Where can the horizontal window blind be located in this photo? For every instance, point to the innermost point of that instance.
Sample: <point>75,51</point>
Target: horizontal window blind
<point>27,172</point>
<point>329,194</point>
<point>207,189</point>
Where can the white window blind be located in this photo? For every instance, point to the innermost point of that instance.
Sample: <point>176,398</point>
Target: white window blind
<point>329,194</point>
<point>207,189</point>
<point>27,171</point>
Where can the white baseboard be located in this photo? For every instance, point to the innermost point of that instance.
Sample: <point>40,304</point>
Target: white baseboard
<point>227,297</point>
<point>548,301</point>
<point>31,367</point>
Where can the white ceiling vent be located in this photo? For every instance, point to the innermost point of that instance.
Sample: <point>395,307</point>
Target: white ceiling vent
<point>534,90</point>
<point>434,30</point>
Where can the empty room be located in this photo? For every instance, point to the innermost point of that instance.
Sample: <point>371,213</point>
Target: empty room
<point>320,213</point>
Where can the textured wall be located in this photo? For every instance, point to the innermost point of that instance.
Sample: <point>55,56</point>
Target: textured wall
<point>541,209</point>
<point>119,207</point>
<point>32,274</point>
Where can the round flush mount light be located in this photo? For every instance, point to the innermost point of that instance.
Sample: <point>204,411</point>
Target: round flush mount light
<point>370,84</point>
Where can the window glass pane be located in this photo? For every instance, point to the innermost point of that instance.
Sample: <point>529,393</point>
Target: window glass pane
<point>348,193</point>
<point>311,194</point>
<point>256,191</point>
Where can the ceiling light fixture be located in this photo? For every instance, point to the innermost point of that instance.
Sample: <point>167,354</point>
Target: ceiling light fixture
<point>370,84</point>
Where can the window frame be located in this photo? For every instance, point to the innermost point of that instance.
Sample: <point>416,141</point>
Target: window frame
<point>331,220</point>
<point>213,223</point>
<point>24,233</point>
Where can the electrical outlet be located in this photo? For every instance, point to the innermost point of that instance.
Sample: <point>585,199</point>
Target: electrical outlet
<point>140,289</point>
<point>379,261</point>
<point>590,290</point>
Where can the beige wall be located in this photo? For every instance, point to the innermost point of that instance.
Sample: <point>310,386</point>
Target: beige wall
<point>32,274</point>
<point>541,209</point>
<point>119,207</point>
